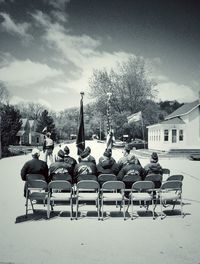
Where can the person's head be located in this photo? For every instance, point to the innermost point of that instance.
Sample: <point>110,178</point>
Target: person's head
<point>60,155</point>
<point>85,153</point>
<point>154,157</point>
<point>131,158</point>
<point>107,153</point>
<point>35,153</point>
<point>126,150</point>
<point>48,134</point>
<point>66,150</point>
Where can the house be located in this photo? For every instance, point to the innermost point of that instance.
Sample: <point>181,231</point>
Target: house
<point>27,135</point>
<point>179,130</point>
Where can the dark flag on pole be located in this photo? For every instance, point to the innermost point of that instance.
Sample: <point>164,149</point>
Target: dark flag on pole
<point>80,141</point>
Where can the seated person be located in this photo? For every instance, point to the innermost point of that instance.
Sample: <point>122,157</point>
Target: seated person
<point>86,168</point>
<point>107,164</point>
<point>90,157</point>
<point>60,170</point>
<point>35,166</point>
<point>153,166</point>
<point>69,160</point>
<point>131,167</point>
<point>123,160</point>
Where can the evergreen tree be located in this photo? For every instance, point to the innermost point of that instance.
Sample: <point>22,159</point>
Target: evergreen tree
<point>10,125</point>
<point>45,120</point>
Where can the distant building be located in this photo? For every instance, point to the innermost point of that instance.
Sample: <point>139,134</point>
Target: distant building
<point>27,135</point>
<point>179,130</point>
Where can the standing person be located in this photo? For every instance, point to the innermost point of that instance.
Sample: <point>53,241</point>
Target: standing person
<point>48,147</point>
<point>60,170</point>
<point>35,166</point>
<point>107,164</point>
<point>153,166</point>
<point>110,140</point>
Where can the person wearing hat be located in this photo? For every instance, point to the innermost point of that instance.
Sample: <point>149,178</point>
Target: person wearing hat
<point>60,170</point>
<point>35,166</point>
<point>90,157</point>
<point>107,164</point>
<point>131,167</point>
<point>153,166</point>
<point>86,168</point>
<point>70,161</point>
<point>123,160</point>
<point>48,147</point>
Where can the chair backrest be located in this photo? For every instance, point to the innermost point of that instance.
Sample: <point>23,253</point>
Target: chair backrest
<point>176,185</point>
<point>107,177</point>
<point>113,185</point>
<point>86,177</point>
<point>175,177</point>
<point>35,177</point>
<point>165,171</point>
<point>143,185</point>
<point>88,185</point>
<point>156,178</point>
<point>37,184</point>
<point>60,185</point>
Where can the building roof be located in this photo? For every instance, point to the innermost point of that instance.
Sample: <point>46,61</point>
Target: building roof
<point>31,122</point>
<point>24,120</point>
<point>173,121</point>
<point>20,133</point>
<point>184,109</point>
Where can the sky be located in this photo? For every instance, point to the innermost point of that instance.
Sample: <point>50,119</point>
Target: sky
<point>49,48</point>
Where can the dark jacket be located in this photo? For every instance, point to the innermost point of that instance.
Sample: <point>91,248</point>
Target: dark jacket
<point>60,170</point>
<point>71,162</point>
<point>107,165</point>
<point>153,167</point>
<point>85,167</point>
<point>34,166</point>
<point>130,168</point>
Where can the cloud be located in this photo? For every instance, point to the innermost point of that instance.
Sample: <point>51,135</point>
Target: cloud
<point>24,73</point>
<point>59,4</point>
<point>17,100</point>
<point>56,90</point>
<point>18,29</point>
<point>173,91</point>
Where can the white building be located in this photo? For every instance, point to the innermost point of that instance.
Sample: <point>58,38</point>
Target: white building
<point>179,130</point>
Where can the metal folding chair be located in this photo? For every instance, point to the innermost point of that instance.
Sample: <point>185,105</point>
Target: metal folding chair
<point>106,177</point>
<point>142,191</point>
<point>175,177</point>
<point>87,190</point>
<point>59,191</point>
<point>112,191</point>
<point>170,191</point>
<point>36,190</point>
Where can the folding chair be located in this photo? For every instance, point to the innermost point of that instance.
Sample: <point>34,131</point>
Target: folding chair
<point>87,190</point>
<point>106,177</point>
<point>56,196</point>
<point>112,191</point>
<point>142,191</point>
<point>175,177</point>
<point>170,191</point>
<point>87,177</point>
<point>165,173</point>
<point>36,190</point>
<point>155,178</point>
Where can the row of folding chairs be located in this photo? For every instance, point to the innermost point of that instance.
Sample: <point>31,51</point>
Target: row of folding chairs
<point>143,192</point>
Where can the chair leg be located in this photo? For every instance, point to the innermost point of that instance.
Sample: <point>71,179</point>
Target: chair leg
<point>71,211</point>
<point>26,204</point>
<point>98,208</point>
<point>76,208</point>
<point>124,209</point>
<point>48,207</point>
<point>102,209</point>
<point>131,208</point>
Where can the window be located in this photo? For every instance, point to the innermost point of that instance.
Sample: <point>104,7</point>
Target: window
<point>181,135</point>
<point>166,135</point>
<point>173,135</point>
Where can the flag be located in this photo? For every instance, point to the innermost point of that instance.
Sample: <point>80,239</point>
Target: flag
<point>134,117</point>
<point>80,141</point>
<point>44,131</point>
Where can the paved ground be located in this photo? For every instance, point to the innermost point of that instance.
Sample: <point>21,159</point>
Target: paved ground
<point>59,240</point>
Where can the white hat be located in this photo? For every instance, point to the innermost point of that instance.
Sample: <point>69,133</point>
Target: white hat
<point>35,152</point>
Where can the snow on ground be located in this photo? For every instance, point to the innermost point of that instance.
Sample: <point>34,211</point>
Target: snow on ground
<point>87,240</point>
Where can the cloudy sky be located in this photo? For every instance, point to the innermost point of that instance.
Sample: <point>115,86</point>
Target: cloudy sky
<point>49,48</point>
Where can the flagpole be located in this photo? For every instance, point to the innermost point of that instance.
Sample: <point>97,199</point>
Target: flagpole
<point>80,141</point>
<point>143,129</point>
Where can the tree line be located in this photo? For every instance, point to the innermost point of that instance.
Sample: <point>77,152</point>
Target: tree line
<point>132,90</point>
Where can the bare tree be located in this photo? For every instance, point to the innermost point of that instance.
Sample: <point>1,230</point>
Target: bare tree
<point>4,94</point>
